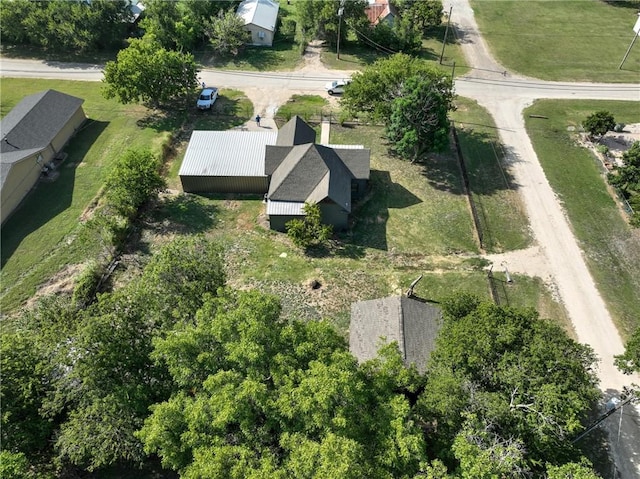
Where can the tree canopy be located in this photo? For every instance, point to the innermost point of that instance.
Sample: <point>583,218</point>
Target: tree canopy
<point>506,389</point>
<point>598,123</point>
<point>147,72</point>
<point>410,97</point>
<point>627,179</point>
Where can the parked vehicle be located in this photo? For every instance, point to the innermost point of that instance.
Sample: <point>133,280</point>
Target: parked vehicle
<point>207,98</point>
<point>337,86</point>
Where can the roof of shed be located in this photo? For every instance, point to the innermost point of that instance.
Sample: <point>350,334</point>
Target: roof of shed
<point>262,13</point>
<point>226,153</point>
<point>412,323</point>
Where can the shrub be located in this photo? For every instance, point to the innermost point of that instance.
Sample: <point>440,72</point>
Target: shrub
<point>309,231</point>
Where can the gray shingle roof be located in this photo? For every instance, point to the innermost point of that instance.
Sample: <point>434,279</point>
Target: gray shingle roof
<point>35,121</point>
<point>295,132</point>
<point>311,173</point>
<point>414,324</point>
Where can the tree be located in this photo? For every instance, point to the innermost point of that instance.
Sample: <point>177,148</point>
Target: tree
<point>627,179</point>
<point>226,33</point>
<point>261,397</point>
<point>373,90</point>
<point>419,120</point>
<point>177,278</point>
<point>598,123</point>
<point>320,19</point>
<point>629,362</point>
<point>502,383</point>
<point>65,26</point>
<point>132,181</point>
<point>309,231</point>
<point>147,72</point>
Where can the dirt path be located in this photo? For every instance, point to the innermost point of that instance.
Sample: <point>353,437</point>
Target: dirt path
<point>556,256</point>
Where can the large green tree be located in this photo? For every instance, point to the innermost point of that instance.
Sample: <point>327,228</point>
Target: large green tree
<point>627,179</point>
<point>419,119</point>
<point>226,33</point>
<point>320,19</point>
<point>132,181</point>
<point>65,26</point>
<point>147,72</point>
<point>259,397</point>
<point>373,90</point>
<point>506,389</point>
<point>599,122</point>
<point>410,97</point>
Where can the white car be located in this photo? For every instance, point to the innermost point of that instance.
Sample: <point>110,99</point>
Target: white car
<point>337,86</point>
<point>207,98</point>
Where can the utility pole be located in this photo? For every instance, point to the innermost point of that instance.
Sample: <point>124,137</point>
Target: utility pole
<point>636,29</point>
<point>340,12</point>
<point>446,31</point>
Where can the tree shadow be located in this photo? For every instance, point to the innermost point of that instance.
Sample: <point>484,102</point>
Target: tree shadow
<point>183,213</point>
<point>485,162</point>
<point>225,114</point>
<point>48,199</point>
<point>370,216</point>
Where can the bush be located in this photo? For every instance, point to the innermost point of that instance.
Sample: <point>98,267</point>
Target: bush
<point>309,231</point>
<point>86,286</point>
<point>598,123</point>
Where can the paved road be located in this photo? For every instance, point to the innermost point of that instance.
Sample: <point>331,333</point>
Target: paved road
<point>504,95</point>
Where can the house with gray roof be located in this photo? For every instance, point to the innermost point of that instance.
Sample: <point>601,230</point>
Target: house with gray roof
<point>411,322</point>
<point>287,167</point>
<point>260,18</point>
<point>34,133</point>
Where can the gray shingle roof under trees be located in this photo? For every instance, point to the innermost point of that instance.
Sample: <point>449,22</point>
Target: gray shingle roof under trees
<point>413,323</point>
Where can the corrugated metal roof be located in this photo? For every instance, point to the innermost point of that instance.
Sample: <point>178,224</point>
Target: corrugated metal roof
<point>287,208</point>
<point>226,153</point>
<point>262,13</point>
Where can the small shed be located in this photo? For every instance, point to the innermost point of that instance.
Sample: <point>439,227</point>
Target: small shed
<point>34,133</point>
<point>226,162</point>
<point>411,322</point>
<point>260,18</point>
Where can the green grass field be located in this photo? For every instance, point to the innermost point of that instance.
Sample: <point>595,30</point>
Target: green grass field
<point>578,40</point>
<point>612,249</point>
<point>45,235</point>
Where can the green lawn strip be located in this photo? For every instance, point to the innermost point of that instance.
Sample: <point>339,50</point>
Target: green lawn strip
<point>580,40</point>
<point>500,210</point>
<point>612,249</point>
<point>282,56</point>
<point>308,107</point>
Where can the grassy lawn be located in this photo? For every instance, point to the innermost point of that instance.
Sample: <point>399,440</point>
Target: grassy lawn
<point>415,221</point>
<point>612,249</point>
<point>501,214</point>
<point>45,235</point>
<point>563,40</point>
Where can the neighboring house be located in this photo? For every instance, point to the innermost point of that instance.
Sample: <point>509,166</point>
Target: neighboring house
<point>33,133</point>
<point>287,167</point>
<point>381,11</point>
<point>260,18</point>
<point>411,322</point>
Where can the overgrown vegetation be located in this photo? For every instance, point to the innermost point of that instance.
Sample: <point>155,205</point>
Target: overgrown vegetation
<point>627,179</point>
